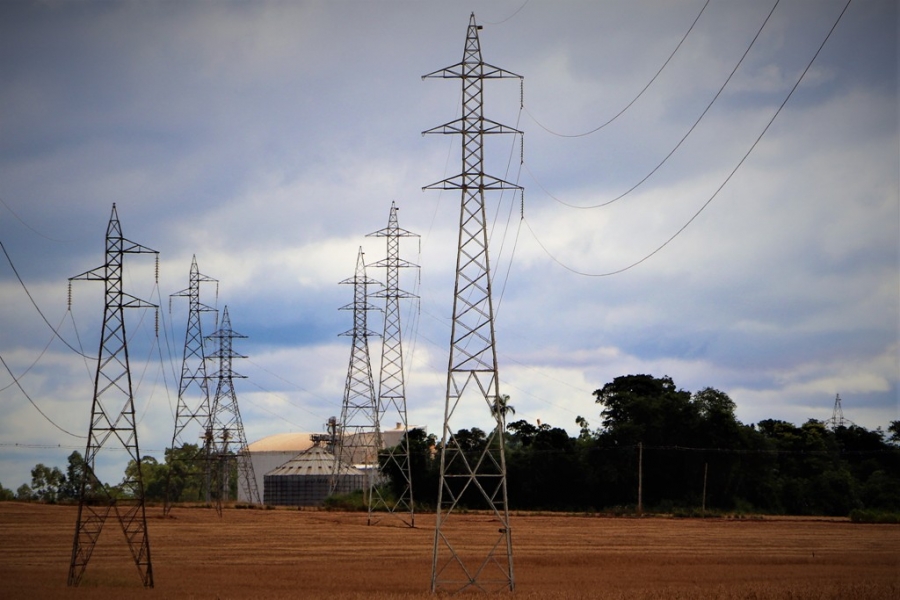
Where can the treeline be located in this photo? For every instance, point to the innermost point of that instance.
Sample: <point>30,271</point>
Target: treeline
<point>689,451</point>
<point>183,471</point>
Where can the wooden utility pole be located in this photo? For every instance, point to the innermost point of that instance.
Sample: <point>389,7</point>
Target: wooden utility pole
<point>705,467</point>
<point>640,506</point>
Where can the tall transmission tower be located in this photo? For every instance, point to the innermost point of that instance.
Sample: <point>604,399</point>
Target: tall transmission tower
<point>229,443</point>
<point>113,420</point>
<point>359,437</point>
<point>475,477</point>
<point>391,381</point>
<point>193,406</point>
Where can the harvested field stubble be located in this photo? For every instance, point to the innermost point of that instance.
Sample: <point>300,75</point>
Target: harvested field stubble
<point>306,554</point>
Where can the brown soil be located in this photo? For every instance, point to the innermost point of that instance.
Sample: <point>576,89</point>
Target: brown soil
<point>310,554</point>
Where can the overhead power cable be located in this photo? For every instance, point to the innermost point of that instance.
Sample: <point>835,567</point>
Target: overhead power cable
<point>36,407</point>
<point>517,11</point>
<point>689,131</point>
<point>627,106</point>
<point>31,298</point>
<point>36,360</point>
<point>719,189</point>
<point>22,221</point>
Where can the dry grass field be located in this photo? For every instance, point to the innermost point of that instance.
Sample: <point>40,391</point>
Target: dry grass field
<point>310,554</point>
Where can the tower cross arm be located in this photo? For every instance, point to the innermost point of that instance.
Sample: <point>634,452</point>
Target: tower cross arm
<point>226,334</point>
<point>95,274</point>
<point>356,279</point>
<point>135,248</point>
<point>389,231</point>
<point>400,294</point>
<point>359,333</point>
<point>398,262</point>
<point>224,354</point>
<point>464,126</point>
<point>464,70</point>
<point>458,182</point>
<point>359,306</point>
<point>228,374</point>
<point>133,302</point>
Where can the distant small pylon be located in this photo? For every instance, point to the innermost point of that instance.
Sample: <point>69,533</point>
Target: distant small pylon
<point>391,380</point>
<point>193,410</point>
<point>837,416</point>
<point>358,437</point>
<point>229,443</point>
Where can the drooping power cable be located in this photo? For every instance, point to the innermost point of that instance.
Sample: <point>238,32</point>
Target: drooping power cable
<point>719,189</point>
<point>40,312</point>
<point>689,131</point>
<point>37,408</point>
<point>627,106</point>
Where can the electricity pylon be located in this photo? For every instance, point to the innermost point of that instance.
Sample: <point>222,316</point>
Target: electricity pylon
<point>391,381</point>
<point>837,415</point>
<point>228,439</point>
<point>472,477</point>
<point>113,421</point>
<point>359,437</point>
<point>193,389</point>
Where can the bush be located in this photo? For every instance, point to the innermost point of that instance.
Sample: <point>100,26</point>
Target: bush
<point>353,502</point>
<point>874,516</point>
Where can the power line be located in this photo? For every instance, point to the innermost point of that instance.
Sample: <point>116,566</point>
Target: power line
<point>36,407</point>
<point>31,298</point>
<point>32,229</point>
<point>627,106</point>
<point>36,360</point>
<point>719,189</point>
<point>296,385</point>
<point>507,18</point>
<point>689,131</point>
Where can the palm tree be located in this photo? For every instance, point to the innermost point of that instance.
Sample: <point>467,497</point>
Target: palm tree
<point>500,409</point>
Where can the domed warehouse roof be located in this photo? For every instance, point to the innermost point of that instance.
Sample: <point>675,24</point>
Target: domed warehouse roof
<point>270,452</point>
<point>283,442</point>
<point>306,479</point>
<point>314,461</point>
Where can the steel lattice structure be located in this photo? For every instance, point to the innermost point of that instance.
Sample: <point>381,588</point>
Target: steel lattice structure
<point>113,421</point>
<point>472,476</point>
<point>229,443</point>
<point>391,382</point>
<point>837,416</point>
<point>193,406</point>
<point>359,437</point>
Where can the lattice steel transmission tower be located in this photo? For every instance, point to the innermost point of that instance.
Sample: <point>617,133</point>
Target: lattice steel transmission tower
<point>391,381</point>
<point>229,443</point>
<point>475,477</point>
<point>113,420</point>
<point>193,406</point>
<point>837,415</point>
<point>359,437</point>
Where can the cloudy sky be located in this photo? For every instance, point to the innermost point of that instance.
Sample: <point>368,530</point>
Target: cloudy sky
<point>269,138</point>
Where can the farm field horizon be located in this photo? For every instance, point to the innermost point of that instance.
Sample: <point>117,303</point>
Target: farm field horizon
<point>286,553</point>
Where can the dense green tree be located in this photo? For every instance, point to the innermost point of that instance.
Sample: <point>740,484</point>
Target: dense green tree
<point>6,494</point>
<point>687,442</point>
<point>24,493</point>
<point>46,482</point>
<point>894,431</point>
<point>422,469</point>
<point>543,470</point>
<point>153,476</point>
<point>648,416</point>
<point>184,468</point>
<point>75,473</point>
